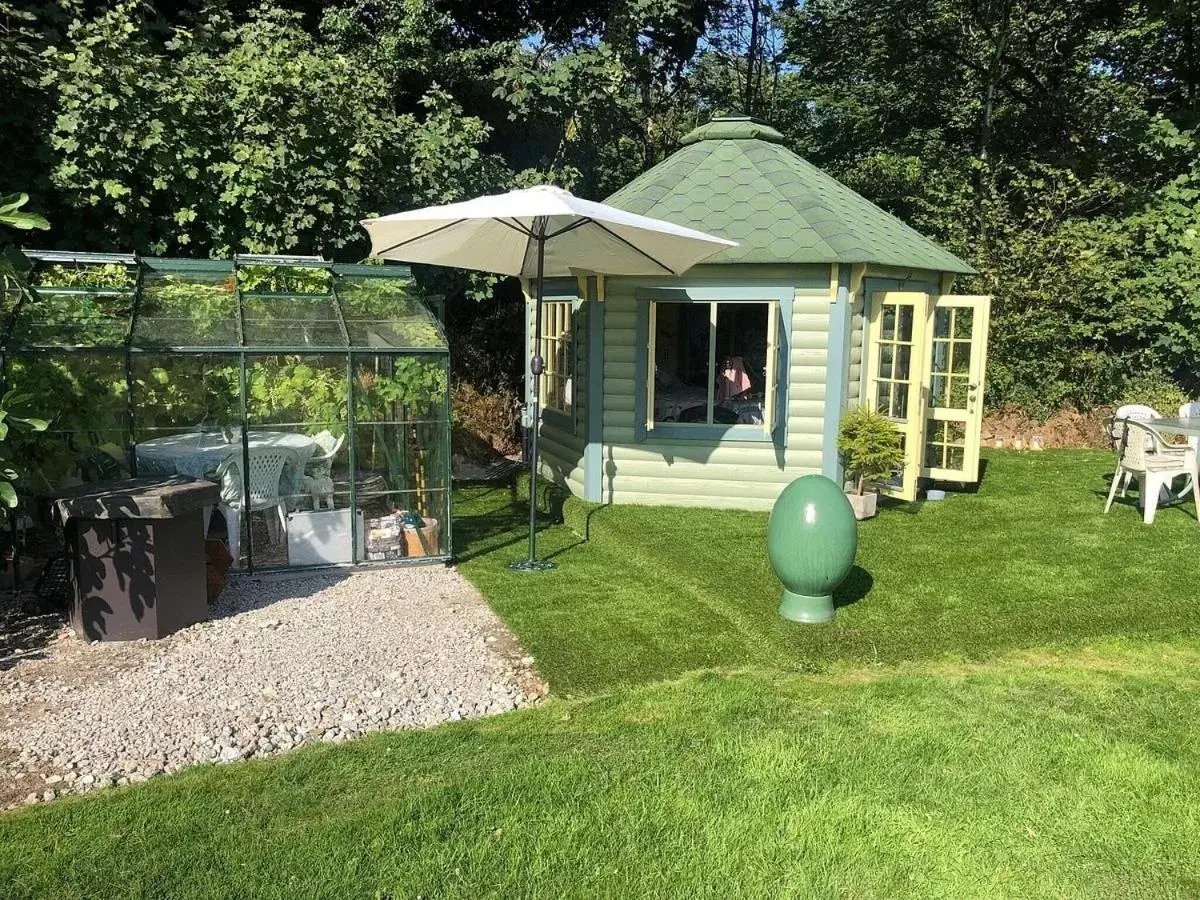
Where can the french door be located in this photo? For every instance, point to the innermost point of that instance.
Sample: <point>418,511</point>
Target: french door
<point>958,356</point>
<point>925,365</point>
<point>897,331</point>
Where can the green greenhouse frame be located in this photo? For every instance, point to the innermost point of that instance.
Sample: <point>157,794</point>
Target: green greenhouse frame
<point>193,366</point>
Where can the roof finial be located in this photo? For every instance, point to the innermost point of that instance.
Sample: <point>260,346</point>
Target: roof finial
<point>733,126</point>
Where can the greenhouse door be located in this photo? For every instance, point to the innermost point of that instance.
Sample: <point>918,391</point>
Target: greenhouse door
<point>897,343</point>
<point>958,355</point>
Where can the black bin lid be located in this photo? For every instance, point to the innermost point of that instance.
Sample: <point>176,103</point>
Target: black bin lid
<point>136,498</point>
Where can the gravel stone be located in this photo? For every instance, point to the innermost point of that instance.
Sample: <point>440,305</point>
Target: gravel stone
<point>283,662</point>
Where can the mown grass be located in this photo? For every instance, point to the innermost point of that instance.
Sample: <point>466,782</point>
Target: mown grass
<point>1073,774</point>
<point>1028,559</point>
<point>1008,705</point>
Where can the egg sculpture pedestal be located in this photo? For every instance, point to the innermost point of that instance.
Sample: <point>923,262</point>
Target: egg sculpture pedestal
<point>812,537</point>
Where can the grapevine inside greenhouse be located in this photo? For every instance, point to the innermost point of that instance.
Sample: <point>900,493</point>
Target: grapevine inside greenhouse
<point>315,394</point>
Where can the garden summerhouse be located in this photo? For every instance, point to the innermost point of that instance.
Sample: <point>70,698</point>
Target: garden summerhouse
<point>720,386</point>
<point>315,393</point>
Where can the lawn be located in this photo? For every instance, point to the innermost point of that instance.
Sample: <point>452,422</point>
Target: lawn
<point>1029,559</point>
<point>1071,774</point>
<point>1007,705</point>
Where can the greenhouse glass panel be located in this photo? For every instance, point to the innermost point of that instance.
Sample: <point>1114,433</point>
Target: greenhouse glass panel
<point>292,322</point>
<point>88,436</point>
<point>77,304</point>
<point>314,394</point>
<point>296,420</point>
<point>402,454</point>
<point>386,312</point>
<point>187,306</point>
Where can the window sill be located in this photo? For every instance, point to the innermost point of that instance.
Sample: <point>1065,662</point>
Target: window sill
<point>671,431</point>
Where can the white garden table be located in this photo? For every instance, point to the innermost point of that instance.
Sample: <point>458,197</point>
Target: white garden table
<point>199,453</point>
<point>1188,427</point>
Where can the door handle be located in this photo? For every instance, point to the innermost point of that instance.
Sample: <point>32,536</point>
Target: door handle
<point>972,386</point>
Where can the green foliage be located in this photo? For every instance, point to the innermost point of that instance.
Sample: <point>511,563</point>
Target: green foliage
<point>284,279</point>
<point>16,417</point>
<point>228,136</point>
<point>1156,389</point>
<point>13,216</point>
<point>1050,145</point>
<point>389,304</point>
<point>870,446</point>
<point>1032,138</point>
<point>415,383</point>
<point>14,414</point>
<point>113,275</point>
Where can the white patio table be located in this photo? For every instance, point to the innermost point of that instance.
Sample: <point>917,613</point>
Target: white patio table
<point>198,453</point>
<point>1189,427</point>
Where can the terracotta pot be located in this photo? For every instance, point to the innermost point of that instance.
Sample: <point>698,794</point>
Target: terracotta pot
<point>422,541</point>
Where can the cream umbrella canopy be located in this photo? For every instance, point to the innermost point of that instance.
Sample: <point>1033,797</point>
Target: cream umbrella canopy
<point>537,233</point>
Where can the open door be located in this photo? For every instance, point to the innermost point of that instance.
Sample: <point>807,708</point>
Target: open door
<point>897,356</point>
<point>957,359</point>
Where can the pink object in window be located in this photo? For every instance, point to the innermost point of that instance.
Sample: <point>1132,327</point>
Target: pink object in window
<point>734,379</point>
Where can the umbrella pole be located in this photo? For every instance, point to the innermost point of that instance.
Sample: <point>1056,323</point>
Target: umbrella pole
<point>536,367</point>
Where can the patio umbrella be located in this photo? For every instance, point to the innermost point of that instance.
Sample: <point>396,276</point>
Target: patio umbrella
<point>536,233</point>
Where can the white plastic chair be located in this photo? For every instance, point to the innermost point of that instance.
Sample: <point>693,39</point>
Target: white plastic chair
<point>266,471</point>
<point>1154,465</point>
<point>318,471</point>
<point>1139,412</point>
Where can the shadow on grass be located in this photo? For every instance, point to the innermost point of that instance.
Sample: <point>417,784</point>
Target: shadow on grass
<point>856,586</point>
<point>1177,501</point>
<point>960,487</point>
<point>491,517</point>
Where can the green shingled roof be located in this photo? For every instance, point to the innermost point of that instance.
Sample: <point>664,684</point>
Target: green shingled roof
<point>734,178</point>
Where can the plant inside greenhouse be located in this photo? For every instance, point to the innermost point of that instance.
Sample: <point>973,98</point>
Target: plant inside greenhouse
<point>315,394</point>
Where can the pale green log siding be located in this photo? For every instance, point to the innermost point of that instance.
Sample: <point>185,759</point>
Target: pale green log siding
<point>743,475</point>
<point>858,336</point>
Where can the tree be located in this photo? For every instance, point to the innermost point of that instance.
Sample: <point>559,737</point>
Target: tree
<point>1006,128</point>
<point>239,137</point>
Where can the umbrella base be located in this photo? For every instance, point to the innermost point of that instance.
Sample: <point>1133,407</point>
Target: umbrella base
<point>531,565</point>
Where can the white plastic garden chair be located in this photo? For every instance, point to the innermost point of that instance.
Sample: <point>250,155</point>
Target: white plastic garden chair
<point>318,471</point>
<point>1139,412</point>
<point>266,472</point>
<point>1154,465</point>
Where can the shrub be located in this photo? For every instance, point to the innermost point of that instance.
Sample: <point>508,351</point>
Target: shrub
<point>870,446</point>
<point>1157,389</point>
<point>495,417</point>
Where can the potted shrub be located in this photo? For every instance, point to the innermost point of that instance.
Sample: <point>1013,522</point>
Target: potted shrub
<point>871,451</point>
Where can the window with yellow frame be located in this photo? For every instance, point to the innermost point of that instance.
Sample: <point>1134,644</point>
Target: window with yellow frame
<point>558,352</point>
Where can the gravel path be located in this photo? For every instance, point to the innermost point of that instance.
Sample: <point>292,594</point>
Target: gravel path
<point>283,662</point>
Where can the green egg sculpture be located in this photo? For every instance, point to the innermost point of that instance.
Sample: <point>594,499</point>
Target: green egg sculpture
<point>812,536</point>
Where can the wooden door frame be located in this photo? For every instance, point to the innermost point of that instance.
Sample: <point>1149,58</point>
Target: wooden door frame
<point>913,428</point>
<point>977,372</point>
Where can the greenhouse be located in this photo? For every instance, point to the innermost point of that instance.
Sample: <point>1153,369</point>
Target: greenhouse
<point>316,395</point>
